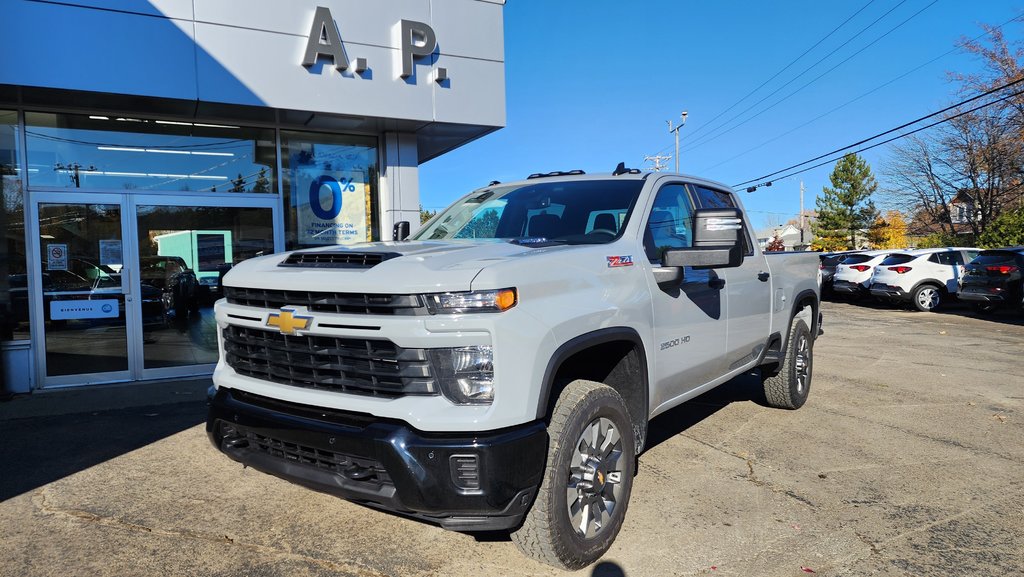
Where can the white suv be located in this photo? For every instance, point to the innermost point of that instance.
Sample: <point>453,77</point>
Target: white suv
<point>853,273</point>
<point>924,277</point>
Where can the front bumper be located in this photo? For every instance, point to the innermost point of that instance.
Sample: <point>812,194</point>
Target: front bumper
<point>464,482</point>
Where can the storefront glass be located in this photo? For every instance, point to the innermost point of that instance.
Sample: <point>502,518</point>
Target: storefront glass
<point>125,153</point>
<point>14,322</point>
<point>330,187</point>
<point>184,252</point>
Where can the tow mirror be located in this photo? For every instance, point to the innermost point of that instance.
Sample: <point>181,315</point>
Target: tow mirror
<point>717,241</point>
<point>400,231</point>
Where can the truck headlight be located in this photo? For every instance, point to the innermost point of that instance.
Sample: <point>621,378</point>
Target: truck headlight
<point>465,375</point>
<point>493,301</point>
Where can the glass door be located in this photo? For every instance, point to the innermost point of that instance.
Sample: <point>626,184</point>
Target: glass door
<point>84,301</point>
<point>183,247</point>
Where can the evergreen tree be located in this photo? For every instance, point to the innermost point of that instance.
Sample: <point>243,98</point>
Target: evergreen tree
<point>262,182</point>
<point>846,208</point>
<point>776,244</point>
<point>426,215</point>
<point>238,184</point>
<point>1006,230</point>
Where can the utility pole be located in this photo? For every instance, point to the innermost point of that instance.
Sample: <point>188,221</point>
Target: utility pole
<point>801,212</point>
<point>656,159</point>
<point>675,131</point>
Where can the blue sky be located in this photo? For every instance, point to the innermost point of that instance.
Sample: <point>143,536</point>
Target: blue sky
<point>591,83</point>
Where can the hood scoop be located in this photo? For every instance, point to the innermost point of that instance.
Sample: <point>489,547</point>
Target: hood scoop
<point>316,259</point>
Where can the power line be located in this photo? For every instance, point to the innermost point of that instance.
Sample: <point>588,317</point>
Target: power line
<point>887,141</point>
<point>849,102</point>
<point>891,130</point>
<point>783,69</point>
<point>709,138</point>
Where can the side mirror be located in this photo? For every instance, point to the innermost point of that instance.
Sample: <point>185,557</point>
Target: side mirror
<point>400,231</point>
<point>717,241</point>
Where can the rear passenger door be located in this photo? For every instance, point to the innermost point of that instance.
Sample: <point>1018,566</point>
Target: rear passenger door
<point>748,289</point>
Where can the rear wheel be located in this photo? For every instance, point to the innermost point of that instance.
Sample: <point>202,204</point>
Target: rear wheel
<point>587,481</point>
<point>927,298</point>
<point>788,389</point>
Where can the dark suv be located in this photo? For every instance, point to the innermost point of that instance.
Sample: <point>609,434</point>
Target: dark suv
<point>994,279</point>
<point>171,275</point>
<point>827,264</point>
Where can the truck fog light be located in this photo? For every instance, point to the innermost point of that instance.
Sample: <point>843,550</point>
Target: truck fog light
<point>465,375</point>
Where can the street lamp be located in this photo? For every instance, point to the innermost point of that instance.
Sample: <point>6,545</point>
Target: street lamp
<point>675,130</point>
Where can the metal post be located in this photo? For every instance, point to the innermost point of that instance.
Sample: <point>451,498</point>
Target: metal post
<point>675,130</point>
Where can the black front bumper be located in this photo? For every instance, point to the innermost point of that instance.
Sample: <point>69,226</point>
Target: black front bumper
<point>462,481</point>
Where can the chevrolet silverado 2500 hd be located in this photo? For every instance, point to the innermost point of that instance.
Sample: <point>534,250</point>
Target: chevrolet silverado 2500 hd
<point>498,369</point>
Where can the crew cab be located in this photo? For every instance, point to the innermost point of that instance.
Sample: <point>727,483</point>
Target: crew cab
<point>497,370</point>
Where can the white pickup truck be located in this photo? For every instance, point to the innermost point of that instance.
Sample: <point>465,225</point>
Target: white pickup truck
<point>498,369</point>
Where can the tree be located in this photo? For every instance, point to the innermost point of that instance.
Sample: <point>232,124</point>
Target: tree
<point>238,184</point>
<point>846,208</point>
<point>776,244</point>
<point>262,182</point>
<point>426,215</point>
<point>1007,230</point>
<point>974,157</point>
<point>889,232</point>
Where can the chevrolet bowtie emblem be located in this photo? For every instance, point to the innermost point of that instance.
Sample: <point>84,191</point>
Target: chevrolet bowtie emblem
<point>287,322</point>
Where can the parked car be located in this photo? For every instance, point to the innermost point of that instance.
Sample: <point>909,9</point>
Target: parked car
<point>181,290</point>
<point>853,273</point>
<point>827,266</point>
<point>925,278</point>
<point>995,278</point>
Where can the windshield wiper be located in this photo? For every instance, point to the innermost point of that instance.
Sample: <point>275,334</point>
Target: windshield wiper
<point>538,242</point>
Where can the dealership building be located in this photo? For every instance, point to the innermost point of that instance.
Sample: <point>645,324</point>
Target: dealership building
<point>147,146</point>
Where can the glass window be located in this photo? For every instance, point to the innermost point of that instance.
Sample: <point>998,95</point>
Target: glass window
<point>897,259</point>
<point>711,198</point>
<point>113,152</point>
<point>13,274</point>
<point>670,224</point>
<point>330,187</point>
<point>561,212</point>
<point>184,252</point>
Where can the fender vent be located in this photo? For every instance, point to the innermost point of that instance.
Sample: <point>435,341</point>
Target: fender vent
<point>338,259</point>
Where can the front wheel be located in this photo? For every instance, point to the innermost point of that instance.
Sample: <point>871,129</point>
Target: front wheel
<point>588,478</point>
<point>788,389</point>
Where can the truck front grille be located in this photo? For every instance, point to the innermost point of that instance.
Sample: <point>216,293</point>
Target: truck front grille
<point>327,302</point>
<point>375,367</point>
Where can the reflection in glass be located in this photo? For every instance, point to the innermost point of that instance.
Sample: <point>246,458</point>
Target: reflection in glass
<point>184,253</point>
<point>83,308</point>
<point>112,152</point>
<point>330,187</point>
<point>13,275</point>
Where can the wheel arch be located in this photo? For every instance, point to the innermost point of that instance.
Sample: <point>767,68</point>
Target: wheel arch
<point>614,356</point>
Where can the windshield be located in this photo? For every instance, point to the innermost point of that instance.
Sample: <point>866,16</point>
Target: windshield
<point>573,212</point>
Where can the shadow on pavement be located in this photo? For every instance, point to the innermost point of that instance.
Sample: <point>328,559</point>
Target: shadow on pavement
<point>1005,315</point>
<point>745,387</point>
<point>40,450</point>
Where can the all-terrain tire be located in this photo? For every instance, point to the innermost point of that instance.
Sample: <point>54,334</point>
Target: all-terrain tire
<point>927,298</point>
<point>548,533</point>
<point>788,389</point>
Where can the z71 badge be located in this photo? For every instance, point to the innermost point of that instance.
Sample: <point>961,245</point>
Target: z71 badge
<point>624,260</point>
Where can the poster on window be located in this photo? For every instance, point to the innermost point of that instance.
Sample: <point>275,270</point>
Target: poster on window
<point>331,206</point>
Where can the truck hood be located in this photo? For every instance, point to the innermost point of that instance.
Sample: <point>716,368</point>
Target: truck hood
<point>408,267</point>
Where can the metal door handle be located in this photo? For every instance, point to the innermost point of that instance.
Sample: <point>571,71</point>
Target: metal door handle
<point>717,283</point>
<point>763,276</point>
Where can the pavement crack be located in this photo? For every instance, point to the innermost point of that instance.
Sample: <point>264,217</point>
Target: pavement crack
<point>43,504</point>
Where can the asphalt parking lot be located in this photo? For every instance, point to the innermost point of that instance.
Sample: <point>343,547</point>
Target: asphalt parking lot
<point>908,459</point>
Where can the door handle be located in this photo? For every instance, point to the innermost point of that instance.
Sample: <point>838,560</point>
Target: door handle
<point>717,283</point>
<point>763,276</point>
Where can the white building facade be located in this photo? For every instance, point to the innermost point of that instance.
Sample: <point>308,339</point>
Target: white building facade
<point>147,146</point>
